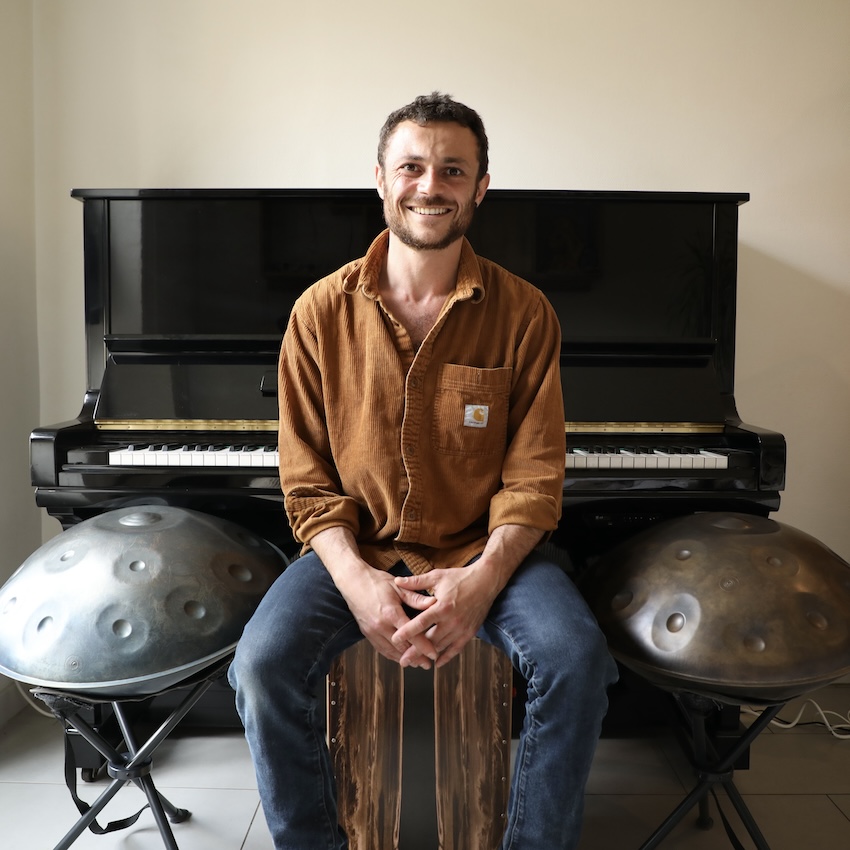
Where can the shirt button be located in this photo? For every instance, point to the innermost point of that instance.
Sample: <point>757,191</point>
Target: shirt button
<point>415,383</point>
<point>413,515</point>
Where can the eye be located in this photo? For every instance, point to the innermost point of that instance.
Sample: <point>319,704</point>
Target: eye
<point>454,172</point>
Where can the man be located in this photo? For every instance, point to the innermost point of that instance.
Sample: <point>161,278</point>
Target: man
<point>422,452</point>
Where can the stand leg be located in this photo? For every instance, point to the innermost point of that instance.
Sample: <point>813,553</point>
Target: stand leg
<point>158,812</point>
<point>700,745</point>
<point>746,816</point>
<point>709,776</point>
<point>133,766</point>
<point>675,816</point>
<point>88,818</point>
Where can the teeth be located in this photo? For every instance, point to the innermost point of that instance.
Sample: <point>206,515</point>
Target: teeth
<point>430,210</point>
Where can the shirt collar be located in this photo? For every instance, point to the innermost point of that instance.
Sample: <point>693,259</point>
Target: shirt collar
<point>367,273</point>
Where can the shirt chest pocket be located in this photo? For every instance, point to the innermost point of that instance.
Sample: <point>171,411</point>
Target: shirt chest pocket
<point>471,410</point>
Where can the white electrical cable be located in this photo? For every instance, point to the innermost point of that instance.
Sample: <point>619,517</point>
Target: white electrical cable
<point>839,730</point>
<point>33,703</point>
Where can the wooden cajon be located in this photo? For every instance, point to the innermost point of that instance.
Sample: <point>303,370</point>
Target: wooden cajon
<point>472,738</point>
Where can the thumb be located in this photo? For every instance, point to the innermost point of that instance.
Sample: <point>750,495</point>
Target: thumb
<point>415,599</point>
<point>424,582</point>
<point>417,591</point>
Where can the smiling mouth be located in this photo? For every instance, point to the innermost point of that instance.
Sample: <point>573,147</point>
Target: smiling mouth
<point>429,210</point>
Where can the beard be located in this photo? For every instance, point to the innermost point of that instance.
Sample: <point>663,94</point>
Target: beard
<point>458,226</point>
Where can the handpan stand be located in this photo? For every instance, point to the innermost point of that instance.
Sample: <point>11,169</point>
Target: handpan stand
<point>135,764</point>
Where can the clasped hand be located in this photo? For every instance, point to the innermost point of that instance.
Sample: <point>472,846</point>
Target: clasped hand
<point>451,606</point>
<point>456,608</point>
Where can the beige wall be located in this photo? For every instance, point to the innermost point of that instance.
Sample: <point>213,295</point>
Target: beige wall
<point>19,408</point>
<point>733,95</point>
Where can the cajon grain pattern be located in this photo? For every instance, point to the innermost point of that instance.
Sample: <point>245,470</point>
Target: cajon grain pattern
<point>472,707</point>
<point>365,693</point>
<point>472,703</point>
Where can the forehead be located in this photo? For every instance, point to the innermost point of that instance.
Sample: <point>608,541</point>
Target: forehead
<point>441,140</point>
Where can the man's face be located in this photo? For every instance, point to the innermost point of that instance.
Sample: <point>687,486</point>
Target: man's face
<point>429,183</point>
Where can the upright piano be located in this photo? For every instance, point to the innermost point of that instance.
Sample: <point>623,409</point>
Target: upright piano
<point>188,292</point>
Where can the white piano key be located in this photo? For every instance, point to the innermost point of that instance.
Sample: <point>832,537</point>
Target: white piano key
<point>575,460</point>
<point>183,456</point>
<point>636,460</point>
<point>615,460</point>
<point>644,458</point>
<point>715,459</point>
<point>663,459</point>
<point>255,456</point>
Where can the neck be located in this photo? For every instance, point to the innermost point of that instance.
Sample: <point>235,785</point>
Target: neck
<point>420,274</point>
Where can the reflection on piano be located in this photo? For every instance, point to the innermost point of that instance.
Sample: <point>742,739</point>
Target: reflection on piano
<point>187,294</point>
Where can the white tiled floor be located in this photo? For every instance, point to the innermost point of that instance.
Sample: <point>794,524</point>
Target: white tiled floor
<point>798,787</point>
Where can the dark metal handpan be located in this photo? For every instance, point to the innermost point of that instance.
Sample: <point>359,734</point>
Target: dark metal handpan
<point>737,607</point>
<point>132,601</point>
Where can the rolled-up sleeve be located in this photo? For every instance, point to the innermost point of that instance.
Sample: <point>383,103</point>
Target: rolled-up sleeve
<point>533,468</point>
<point>313,497</point>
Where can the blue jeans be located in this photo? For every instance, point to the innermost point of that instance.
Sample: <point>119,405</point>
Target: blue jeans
<point>539,620</point>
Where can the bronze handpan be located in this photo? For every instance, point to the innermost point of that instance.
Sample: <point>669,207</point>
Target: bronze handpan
<point>738,607</point>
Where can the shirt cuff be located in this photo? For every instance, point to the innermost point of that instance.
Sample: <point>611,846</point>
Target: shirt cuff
<point>534,510</point>
<point>309,515</point>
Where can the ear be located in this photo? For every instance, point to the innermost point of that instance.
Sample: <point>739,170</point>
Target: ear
<point>379,181</point>
<point>483,184</point>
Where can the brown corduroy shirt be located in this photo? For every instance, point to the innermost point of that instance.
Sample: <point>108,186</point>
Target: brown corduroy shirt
<point>421,454</point>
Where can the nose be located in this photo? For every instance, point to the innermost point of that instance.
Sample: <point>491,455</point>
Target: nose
<point>428,181</point>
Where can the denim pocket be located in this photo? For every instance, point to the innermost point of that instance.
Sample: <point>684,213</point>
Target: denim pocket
<point>471,410</point>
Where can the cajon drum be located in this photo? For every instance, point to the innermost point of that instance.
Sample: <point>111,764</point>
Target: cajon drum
<point>472,738</point>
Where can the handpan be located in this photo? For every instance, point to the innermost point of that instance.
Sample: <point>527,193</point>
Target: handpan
<point>734,606</point>
<point>132,601</point>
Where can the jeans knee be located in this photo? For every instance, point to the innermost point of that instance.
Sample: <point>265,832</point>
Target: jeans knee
<point>247,668</point>
<point>258,661</point>
<point>583,666</point>
<point>593,655</point>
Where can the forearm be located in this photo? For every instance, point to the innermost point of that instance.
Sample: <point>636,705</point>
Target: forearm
<point>338,551</point>
<point>372,596</point>
<point>507,547</point>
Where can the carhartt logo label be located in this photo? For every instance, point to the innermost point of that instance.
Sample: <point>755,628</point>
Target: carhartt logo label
<point>476,415</point>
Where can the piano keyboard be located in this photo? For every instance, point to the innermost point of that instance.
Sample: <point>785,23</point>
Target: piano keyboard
<point>594,457</point>
<point>605,457</point>
<point>195,456</point>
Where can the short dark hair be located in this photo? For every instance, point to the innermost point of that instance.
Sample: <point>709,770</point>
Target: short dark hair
<point>435,107</point>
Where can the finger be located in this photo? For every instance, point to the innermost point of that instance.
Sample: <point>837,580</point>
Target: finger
<point>413,658</point>
<point>386,649</point>
<point>426,582</point>
<point>414,628</point>
<point>452,651</point>
<point>415,599</point>
<point>415,639</point>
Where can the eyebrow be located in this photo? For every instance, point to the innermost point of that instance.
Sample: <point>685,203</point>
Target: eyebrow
<point>448,160</point>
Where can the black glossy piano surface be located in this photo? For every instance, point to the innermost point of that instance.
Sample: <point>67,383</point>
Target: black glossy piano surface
<point>187,293</point>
